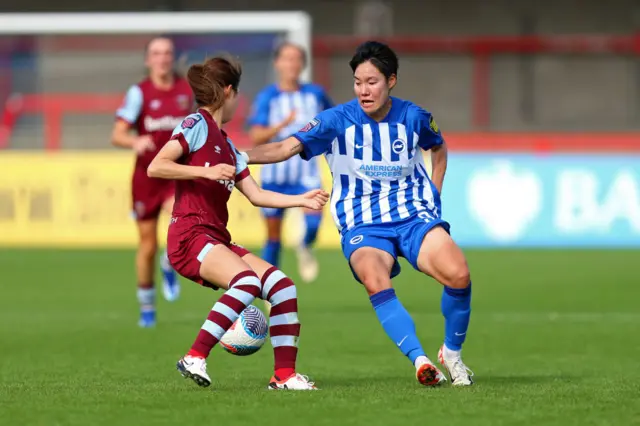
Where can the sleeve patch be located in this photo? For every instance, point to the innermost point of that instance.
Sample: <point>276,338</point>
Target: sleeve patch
<point>189,122</point>
<point>310,125</point>
<point>433,125</point>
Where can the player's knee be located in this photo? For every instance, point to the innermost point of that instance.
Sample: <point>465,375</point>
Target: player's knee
<point>374,282</point>
<point>459,277</point>
<point>148,247</point>
<point>277,288</point>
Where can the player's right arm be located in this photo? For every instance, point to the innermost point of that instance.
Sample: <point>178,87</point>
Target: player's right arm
<point>312,140</point>
<point>188,137</point>
<point>126,116</point>
<point>260,132</point>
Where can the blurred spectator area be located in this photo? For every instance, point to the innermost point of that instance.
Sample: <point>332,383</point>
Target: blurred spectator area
<point>491,65</point>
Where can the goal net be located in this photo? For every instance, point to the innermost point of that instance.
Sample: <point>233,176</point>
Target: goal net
<point>63,75</point>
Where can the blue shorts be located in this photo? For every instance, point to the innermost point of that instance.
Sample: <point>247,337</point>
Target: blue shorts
<point>398,239</point>
<point>282,189</point>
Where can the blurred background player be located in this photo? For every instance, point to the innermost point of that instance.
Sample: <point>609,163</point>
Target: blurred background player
<point>279,111</point>
<point>152,109</point>
<point>205,164</point>
<point>386,206</point>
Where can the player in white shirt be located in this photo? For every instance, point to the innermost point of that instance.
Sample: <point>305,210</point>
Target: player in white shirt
<point>386,206</point>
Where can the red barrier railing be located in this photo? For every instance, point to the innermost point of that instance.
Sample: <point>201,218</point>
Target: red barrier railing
<point>481,49</point>
<point>54,106</point>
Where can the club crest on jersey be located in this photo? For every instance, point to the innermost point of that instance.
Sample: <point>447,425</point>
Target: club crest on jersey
<point>310,125</point>
<point>399,146</point>
<point>189,122</point>
<point>433,125</point>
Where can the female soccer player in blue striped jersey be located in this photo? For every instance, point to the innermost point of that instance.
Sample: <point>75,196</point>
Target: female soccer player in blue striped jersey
<point>278,112</point>
<point>385,205</point>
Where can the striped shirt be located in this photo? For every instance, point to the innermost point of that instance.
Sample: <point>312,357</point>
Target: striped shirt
<point>379,175</point>
<point>273,106</point>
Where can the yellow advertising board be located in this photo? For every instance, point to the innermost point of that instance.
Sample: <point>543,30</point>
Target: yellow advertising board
<point>83,199</point>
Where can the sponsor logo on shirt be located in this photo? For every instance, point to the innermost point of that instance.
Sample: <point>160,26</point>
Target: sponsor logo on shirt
<point>163,123</point>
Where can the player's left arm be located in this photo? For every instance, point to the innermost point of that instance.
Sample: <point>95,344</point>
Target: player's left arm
<point>430,139</point>
<point>259,197</point>
<point>439,154</point>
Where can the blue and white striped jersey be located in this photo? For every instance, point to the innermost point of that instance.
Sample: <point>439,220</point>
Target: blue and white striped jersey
<point>379,175</point>
<point>271,107</point>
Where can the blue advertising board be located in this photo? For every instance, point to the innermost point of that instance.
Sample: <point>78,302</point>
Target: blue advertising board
<point>528,200</point>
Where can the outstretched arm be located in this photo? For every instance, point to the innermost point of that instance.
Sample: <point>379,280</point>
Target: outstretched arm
<point>259,197</point>
<point>274,152</point>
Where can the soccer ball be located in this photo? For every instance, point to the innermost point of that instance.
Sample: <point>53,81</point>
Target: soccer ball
<point>247,334</point>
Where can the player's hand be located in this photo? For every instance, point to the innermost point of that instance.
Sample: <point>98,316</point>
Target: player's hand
<point>143,144</point>
<point>219,172</point>
<point>315,199</point>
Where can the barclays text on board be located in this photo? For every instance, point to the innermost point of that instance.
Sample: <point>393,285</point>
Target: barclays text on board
<point>525,200</point>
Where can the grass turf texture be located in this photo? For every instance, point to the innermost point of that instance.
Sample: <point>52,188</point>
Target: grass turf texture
<point>554,340</point>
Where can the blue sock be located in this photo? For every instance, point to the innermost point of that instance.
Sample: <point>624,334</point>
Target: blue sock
<point>456,309</point>
<point>312,222</point>
<point>271,252</point>
<point>167,271</point>
<point>397,323</point>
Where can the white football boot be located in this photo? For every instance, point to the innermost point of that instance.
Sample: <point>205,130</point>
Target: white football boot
<point>194,368</point>
<point>293,382</point>
<point>428,374</point>
<point>460,374</point>
<point>307,264</point>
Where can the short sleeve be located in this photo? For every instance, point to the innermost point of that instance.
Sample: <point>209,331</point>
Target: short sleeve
<point>428,131</point>
<point>131,107</point>
<point>192,133</point>
<point>259,115</point>
<point>242,168</point>
<point>316,137</point>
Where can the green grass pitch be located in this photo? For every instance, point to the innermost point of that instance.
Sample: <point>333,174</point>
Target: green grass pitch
<point>554,340</point>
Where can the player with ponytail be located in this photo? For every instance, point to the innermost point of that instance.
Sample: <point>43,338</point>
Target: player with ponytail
<point>206,167</point>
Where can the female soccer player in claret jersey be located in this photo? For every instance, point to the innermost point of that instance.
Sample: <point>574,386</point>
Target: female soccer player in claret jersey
<point>152,108</point>
<point>385,205</point>
<point>206,168</point>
